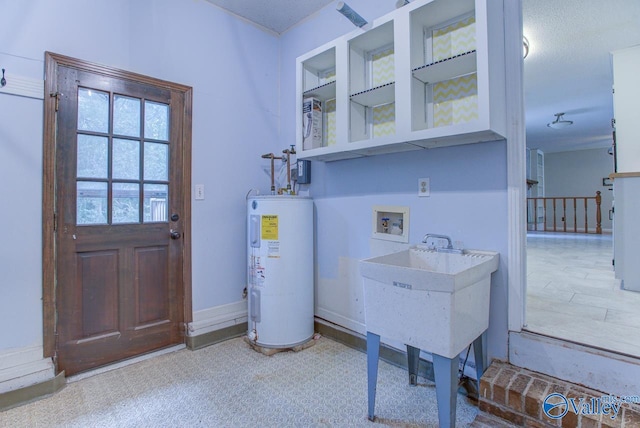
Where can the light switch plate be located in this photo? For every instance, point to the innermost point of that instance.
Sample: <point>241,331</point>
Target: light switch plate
<point>424,187</point>
<point>199,192</point>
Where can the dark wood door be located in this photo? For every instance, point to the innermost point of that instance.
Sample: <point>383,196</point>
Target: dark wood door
<point>119,196</point>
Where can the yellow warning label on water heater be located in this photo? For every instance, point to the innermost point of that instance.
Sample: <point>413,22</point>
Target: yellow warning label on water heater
<point>270,227</point>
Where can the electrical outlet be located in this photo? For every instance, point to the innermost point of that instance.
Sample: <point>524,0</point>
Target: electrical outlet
<point>424,187</point>
<point>199,192</point>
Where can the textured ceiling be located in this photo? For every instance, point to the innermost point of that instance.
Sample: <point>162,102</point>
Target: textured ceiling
<point>568,69</point>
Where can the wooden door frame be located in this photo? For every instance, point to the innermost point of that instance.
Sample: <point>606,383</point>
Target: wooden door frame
<point>52,62</point>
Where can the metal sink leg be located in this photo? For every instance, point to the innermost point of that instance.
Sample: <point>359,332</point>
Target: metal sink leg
<point>373,352</point>
<point>480,358</point>
<point>446,375</point>
<point>413,360</point>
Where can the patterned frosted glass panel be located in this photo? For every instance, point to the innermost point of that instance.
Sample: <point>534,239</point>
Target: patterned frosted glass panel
<point>156,205</point>
<point>156,121</point>
<point>455,101</point>
<point>126,159</point>
<point>93,110</point>
<point>156,161</point>
<point>91,202</point>
<point>382,67</point>
<point>93,156</point>
<point>126,203</point>
<point>126,116</point>
<point>384,120</point>
<point>454,39</point>
<point>330,122</point>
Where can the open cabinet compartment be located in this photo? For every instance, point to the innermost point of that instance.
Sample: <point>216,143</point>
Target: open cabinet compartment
<point>372,84</point>
<point>319,83</point>
<point>444,85</point>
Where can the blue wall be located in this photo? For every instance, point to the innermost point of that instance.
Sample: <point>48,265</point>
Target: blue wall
<point>233,69</point>
<point>468,193</point>
<point>244,105</point>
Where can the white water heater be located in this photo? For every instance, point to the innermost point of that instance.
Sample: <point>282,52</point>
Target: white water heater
<point>280,270</point>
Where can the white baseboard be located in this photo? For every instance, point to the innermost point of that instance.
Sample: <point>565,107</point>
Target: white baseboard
<point>341,320</point>
<point>22,367</point>
<point>217,318</point>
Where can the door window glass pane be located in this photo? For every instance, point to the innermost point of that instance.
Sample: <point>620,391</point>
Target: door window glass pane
<point>156,121</point>
<point>126,116</point>
<point>93,156</point>
<point>126,203</point>
<point>91,202</point>
<point>156,161</point>
<point>93,110</point>
<point>156,205</point>
<point>126,159</point>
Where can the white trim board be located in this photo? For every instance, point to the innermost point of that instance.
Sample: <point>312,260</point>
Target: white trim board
<point>597,369</point>
<point>23,86</point>
<point>22,367</point>
<point>217,318</point>
<point>516,169</point>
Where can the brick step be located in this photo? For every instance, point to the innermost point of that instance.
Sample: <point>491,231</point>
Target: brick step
<point>486,420</point>
<point>516,395</point>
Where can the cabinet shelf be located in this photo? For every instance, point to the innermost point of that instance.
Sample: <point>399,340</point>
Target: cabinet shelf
<point>322,92</point>
<point>447,68</point>
<point>383,94</point>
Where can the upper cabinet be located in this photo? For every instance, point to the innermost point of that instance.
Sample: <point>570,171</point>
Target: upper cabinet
<point>426,75</point>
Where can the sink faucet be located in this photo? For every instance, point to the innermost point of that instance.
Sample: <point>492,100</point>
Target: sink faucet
<point>435,235</point>
<point>448,249</point>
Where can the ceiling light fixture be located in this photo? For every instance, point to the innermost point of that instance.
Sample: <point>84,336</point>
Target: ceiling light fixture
<point>351,14</point>
<point>525,47</point>
<point>560,122</point>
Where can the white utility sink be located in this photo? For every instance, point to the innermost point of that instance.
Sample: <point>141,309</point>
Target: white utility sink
<point>434,301</point>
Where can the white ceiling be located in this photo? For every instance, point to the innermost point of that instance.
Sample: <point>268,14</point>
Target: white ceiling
<point>275,15</point>
<point>568,68</point>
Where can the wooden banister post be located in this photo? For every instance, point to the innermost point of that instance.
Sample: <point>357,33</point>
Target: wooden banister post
<point>598,213</point>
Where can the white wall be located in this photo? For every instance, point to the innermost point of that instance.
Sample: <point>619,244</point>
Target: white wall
<point>468,194</point>
<point>233,68</point>
<point>580,173</point>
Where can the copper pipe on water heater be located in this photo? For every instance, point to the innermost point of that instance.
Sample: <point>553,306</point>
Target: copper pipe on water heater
<point>289,152</point>
<point>273,179</point>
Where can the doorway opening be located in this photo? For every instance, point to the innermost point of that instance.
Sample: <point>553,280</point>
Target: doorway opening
<point>572,293</point>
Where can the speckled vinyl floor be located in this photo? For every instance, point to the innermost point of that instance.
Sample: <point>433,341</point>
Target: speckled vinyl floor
<point>231,385</point>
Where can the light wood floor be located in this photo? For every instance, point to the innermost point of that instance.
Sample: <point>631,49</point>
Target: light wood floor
<point>572,293</point>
